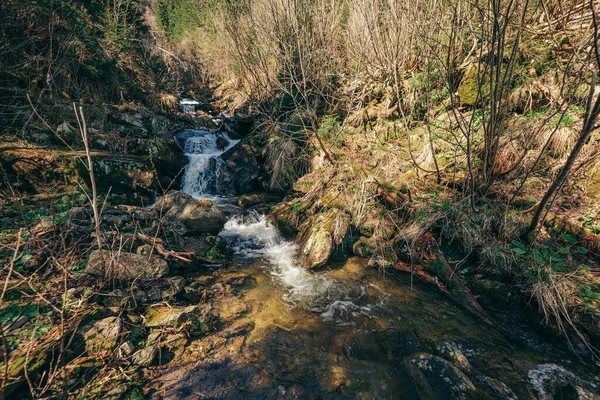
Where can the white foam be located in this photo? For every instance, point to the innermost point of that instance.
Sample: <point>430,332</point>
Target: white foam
<point>203,174</point>
<point>253,236</point>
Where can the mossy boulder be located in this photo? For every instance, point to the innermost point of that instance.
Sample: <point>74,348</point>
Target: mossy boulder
<point>469,88</point>
<point>287,218</point>
<point>364,247</point>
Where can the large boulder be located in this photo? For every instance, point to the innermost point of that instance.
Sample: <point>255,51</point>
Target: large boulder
<point>126,266</point>
<point>240,124</point>
<point>436,378</point>
<point>241,169</point>
<point>317,248</point>
<point>551,381</point>
<point>325,231</point>
<point>129,122</point>
<point>200,216</point>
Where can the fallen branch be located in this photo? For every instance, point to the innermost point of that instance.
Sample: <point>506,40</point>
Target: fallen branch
<point>162,250</point>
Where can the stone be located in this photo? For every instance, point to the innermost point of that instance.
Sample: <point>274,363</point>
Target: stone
<point>102,335</point>
<point>240,124</point>
<point>126,349</point>
<point>113,219</point>
<point>198,215</point>
<point>126,266</point>
<point>140,214</point>
<point>195,319</point>
<point>317,248</point>
<point>66,131</point>
<point>162,290</point>
<point>468,87</point>
<point>496,388</point>
<point>241,169</point>
<point>551,381</point>
<point>453,353</point>
<point>229,308</point>
<point>364,247</point>
<point>222,143</point>
<point>325,230</point>
<point>145,357</point>
<point>130,122</point>
<point>80,216</point>
<point>436,378</point>
<point>163,127</point>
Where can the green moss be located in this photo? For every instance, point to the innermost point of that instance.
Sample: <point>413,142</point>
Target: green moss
<point>469,87</point>
<point>436,267</point>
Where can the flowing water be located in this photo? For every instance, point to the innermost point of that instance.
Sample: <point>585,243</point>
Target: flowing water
<point>344,332</point>
<point>204,148</point>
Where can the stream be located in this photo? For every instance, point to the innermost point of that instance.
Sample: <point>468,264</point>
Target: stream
<point>348,330</point>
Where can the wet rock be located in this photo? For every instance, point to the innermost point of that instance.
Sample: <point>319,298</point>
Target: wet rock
<point>229,308</point>
<point>551,381</point>
<point>102,335</point>
<point>452,352</point>
<point>286,218</point>
<point>251,200</point>
<point>436,378</point>
<point>196,320</point>
<point>241,169</point>
<point>496,388</point>
<point>126,266</point>
<point>145,357</point>
<point>163,126</point>
<point>198,215</point>
<point>222,143</point>
<point>240,124</point>
<point>208,248</point>
<point>317,248</point>
<point>324,231</point>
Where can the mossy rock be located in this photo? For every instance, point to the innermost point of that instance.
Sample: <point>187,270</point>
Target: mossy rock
<point>364,247</point>
<point>468,89</point>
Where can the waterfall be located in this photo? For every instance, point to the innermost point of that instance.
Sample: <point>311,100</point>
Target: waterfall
<point>252,237</point>
<point>188,106</point>
<point>203,174</point>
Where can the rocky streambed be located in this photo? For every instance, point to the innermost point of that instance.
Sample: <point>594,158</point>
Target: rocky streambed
<point>202,297</point>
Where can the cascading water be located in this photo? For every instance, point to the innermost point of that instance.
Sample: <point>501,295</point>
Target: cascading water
<point>189,106</point>
<point>252,237</point>
<point>204,148</point>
